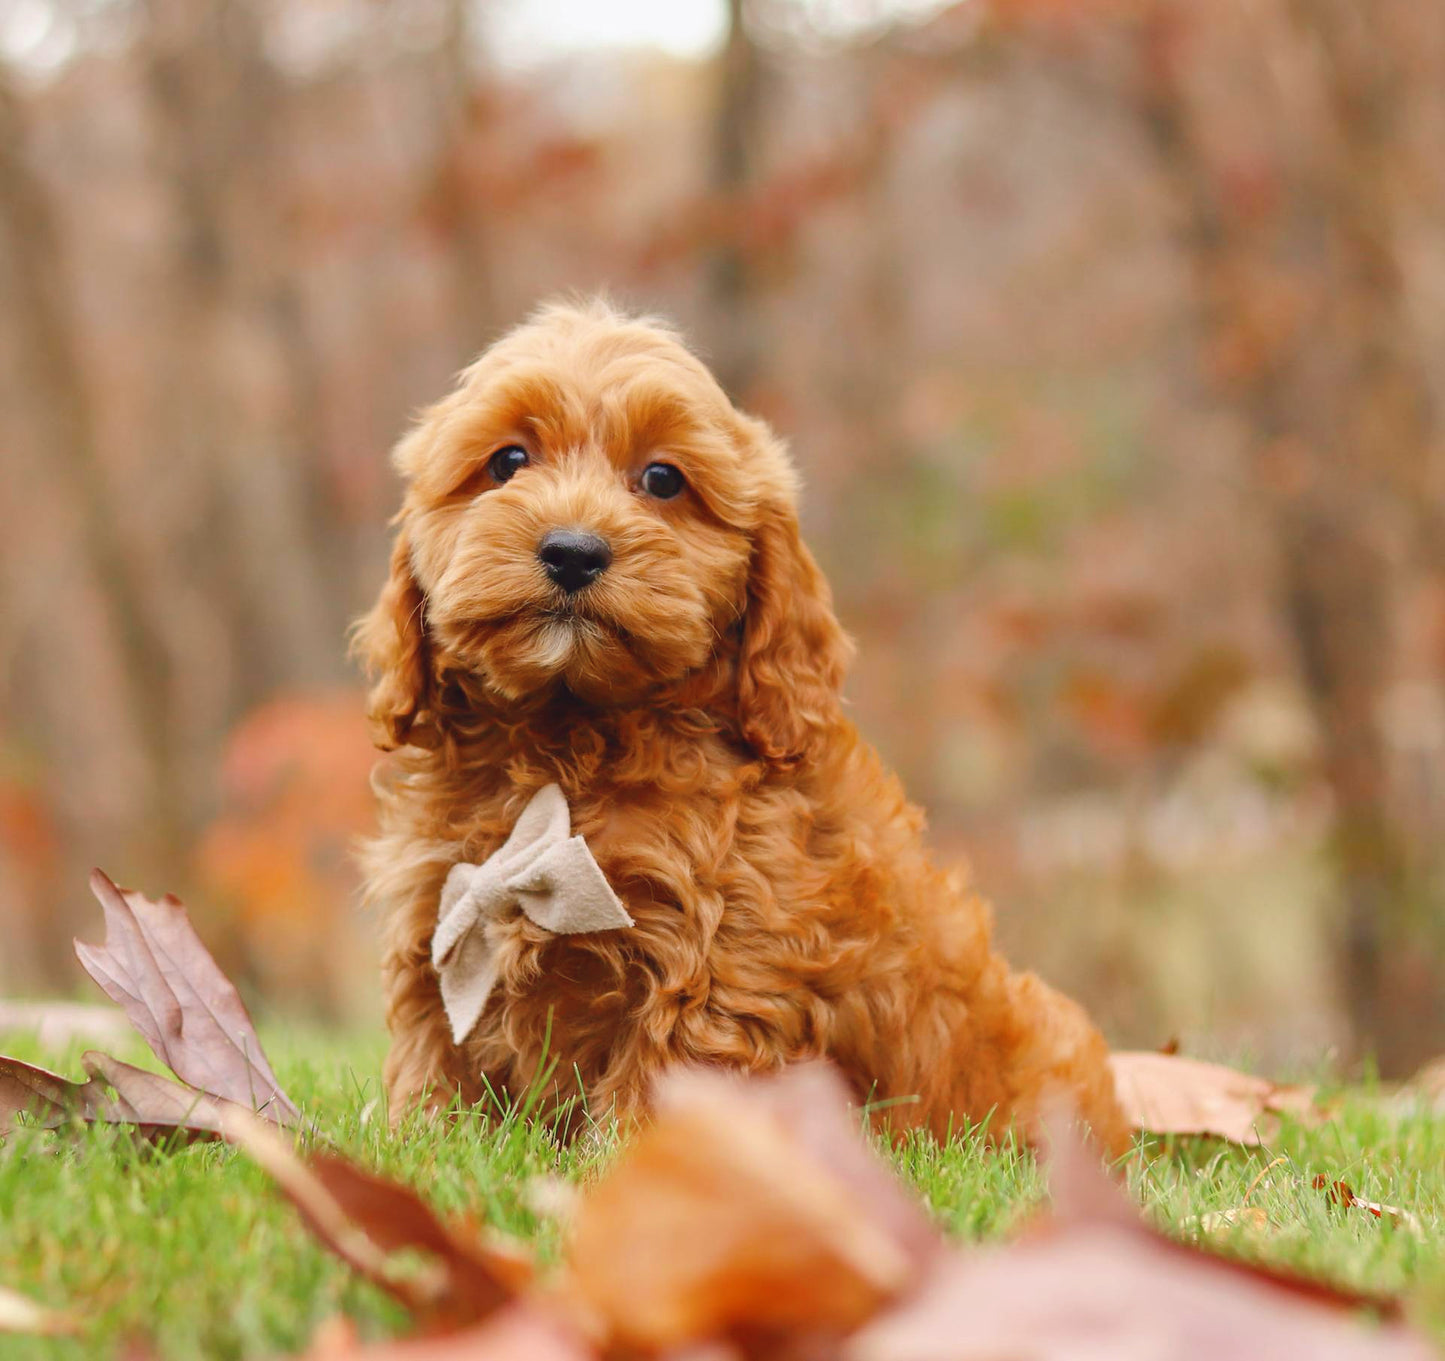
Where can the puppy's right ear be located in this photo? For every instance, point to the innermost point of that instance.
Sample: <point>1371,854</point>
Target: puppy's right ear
<point>392,643</point>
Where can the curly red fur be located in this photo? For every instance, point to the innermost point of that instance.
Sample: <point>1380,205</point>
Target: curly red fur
<point>688,703</point>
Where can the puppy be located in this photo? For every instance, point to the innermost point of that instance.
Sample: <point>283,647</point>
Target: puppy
<point>598,583</point>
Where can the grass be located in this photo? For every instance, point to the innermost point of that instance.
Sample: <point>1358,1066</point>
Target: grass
<point>192,1251</point>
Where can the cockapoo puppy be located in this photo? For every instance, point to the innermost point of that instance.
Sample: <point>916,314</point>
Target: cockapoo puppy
<point>598,584</point>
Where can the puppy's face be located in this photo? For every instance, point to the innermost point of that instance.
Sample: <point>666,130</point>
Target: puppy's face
<point>586,513</point>
<point>580,511</point>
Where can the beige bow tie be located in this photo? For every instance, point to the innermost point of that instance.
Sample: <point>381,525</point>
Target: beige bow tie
<point>541,869</point>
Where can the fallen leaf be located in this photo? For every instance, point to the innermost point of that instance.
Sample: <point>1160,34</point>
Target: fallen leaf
<point>1083,1194</point>
<point>115,1093</point>
<point>44,1096</point>
<point>811,1102</point>
<point>154,966</point>
<point>1339,1193</point>
<point>1167,1094</point>
<point>1244,1215</point>
<point>154,1102</point>
<point>745,1207</point>
<point>367,1221</point>
<point>1249,1217</point>
<point>1094,1281</point>
<point>1103,1292</point>
<point>20,1314</point>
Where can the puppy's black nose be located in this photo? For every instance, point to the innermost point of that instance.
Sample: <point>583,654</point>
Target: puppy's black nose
<point>573,560</point>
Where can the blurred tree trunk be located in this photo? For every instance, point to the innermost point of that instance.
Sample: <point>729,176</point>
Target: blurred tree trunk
<point>1306,333</point>
<point>464,119</point>
<point>238,318</point>
<point>55,381</point>
<point>731,275</point>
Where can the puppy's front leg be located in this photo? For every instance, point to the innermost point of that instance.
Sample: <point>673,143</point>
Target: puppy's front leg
<point>423,1066</point>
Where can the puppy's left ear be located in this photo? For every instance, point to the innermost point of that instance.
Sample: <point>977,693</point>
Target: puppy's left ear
<point>393,643</point>
<point>794,652</point>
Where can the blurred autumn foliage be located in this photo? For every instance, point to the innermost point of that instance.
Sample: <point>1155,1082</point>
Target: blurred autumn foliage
<point>1102,330</point>
<point>294,794</point>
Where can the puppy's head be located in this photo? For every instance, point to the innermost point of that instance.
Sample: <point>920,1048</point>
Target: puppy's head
<point>586,513</point>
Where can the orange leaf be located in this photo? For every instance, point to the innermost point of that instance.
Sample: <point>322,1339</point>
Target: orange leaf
<point>1167,1094</point>
<point>1100,1282</point>
<point>745,1209</point>
<point>366,1220</point>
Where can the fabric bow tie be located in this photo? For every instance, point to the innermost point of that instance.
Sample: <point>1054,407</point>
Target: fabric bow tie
<point>541,869</point>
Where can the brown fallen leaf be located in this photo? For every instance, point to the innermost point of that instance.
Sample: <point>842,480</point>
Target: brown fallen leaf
<point>1241,1216</point>
<point>1083,1194</point>
<point>1249,1217</point>
<point>1097,1282</point>
<point>21,1314</point>
<point>811,1102</point>
<point>154,966</point>
<point>1167,1094</point>
<point>367,1220</point>
<point>1103,1293</point>
<point>1339,1193</point>
<point>745,1208</point>
<point>115,1093</point>
<point>46,1097</point>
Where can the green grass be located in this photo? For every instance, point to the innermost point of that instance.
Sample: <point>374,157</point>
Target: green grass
<point>192,1250</point>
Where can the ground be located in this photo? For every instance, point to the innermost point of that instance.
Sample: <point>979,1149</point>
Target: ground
<point>193,1250</point>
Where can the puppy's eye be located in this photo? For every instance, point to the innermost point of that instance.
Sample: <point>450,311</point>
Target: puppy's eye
<point>662,480</point>
<point>507,462</point>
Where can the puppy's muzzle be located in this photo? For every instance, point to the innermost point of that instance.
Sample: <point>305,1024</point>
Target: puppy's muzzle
<point>573,560</point>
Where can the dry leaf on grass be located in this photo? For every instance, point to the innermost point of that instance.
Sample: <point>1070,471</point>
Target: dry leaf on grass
<point>745,1208</point>
<point>1339,1193</point>
<point>1237,1217</point>
<point>154,966</point>
<point>45,1097</point>
<point>811,1102</point>
<point>1336,1192</point>
<point>751,1220</point>
<point>754,1207</point>
<point>20,1314</point>
<point>367,1220</point>
<point>1166,1094</point>
<point>1241,1216</point>
<point>116,1093</point>
<point>1097,1282</point>
<point>1083,1194</point>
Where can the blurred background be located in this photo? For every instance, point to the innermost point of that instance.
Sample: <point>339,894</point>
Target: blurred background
<point>1108,335</point>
